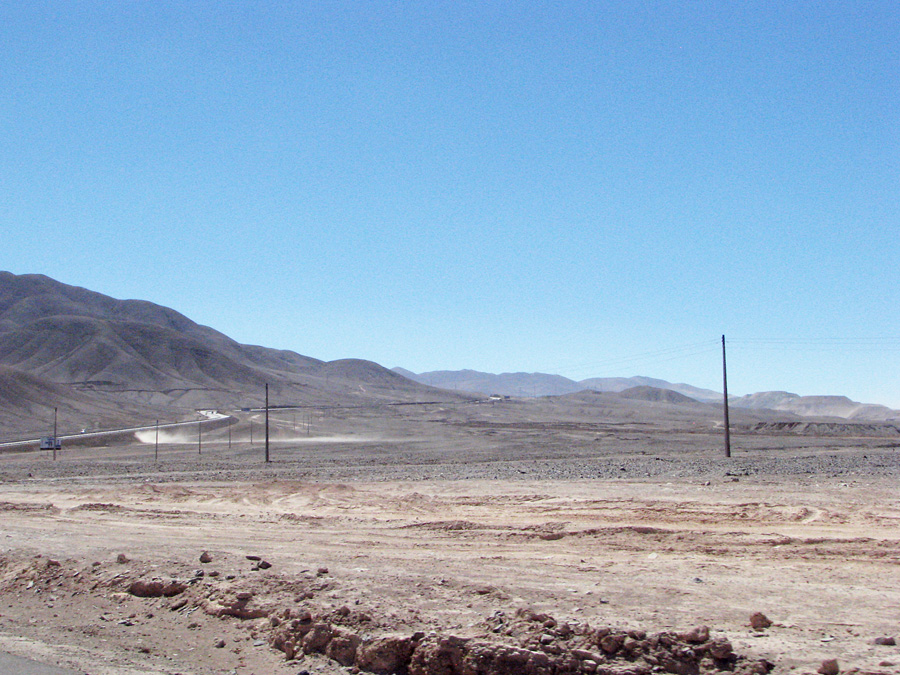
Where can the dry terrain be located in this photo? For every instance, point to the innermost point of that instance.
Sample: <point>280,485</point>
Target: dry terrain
<point>439,539</point>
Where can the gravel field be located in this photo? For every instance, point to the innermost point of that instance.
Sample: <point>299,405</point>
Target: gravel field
<point>464,535</point>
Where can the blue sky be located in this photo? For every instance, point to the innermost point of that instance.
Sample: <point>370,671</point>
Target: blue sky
<point>591,189</point>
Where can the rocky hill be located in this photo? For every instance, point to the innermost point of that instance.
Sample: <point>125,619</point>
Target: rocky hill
<point>71,348</point>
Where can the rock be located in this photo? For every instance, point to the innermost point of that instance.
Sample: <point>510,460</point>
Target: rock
<point>317,639</point>
<point>205,557</point>
<point>696,635</point>
<point>612,643</point>
<point>254,558</point>
<point>721,649</point>
<point>384,655</point>
<point>263,565</point>
<point>438,655</point>
<point>759,621</point>
<point>220,644</point>
<point>122,559</point>
<point>156,588</point>
<point>342,647</point>
<point>884,641</point>
<point>322,571</point>
<point>829,667</point>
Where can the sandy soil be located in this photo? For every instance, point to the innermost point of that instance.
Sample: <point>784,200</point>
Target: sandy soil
<point>816,551</point>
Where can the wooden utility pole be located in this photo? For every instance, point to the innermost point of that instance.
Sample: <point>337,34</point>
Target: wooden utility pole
<point>156,448</point>
<point>199,437</point>
<point>267,422</point>
<point>725,396</point>
<point>54,434</point>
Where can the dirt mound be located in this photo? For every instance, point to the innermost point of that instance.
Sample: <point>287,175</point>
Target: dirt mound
<point>527,644</point>
<point>285,614</point>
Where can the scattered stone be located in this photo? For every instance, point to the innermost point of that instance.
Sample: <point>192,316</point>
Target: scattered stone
<point>884,641</point>
<point>829,667</point>
<point>322,571</point>
<point>122,559</point>
<point>759,621</point>
<point>205,557</point>
<point>220,644</point>
<point>263,565</point>
<point>254,558</point>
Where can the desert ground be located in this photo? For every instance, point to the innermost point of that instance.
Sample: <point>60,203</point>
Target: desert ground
<point>464,536</point>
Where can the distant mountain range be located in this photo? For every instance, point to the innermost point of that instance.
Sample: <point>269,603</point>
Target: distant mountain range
<point>544,384</point>
<point>103,362</point>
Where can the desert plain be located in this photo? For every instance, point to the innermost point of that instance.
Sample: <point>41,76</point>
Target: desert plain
<point>537,527</point>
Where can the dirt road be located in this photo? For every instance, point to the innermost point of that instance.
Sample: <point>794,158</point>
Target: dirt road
<point>819,557</point>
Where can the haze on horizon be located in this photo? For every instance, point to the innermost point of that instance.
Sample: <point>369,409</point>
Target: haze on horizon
<point>555,187</point>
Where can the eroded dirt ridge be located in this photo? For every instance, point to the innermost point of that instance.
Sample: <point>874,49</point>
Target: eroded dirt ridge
<point>283,613</point>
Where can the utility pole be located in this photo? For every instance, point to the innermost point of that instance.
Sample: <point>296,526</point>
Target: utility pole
<point>725,396</point>
<point>54,434</point>
<point>229,437</point>
<point>251,431</point>
<point>267,422</point>
<point>199,437</point>
<point>156,447</point>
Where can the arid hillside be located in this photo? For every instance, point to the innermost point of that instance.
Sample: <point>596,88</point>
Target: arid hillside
<point>76,350</point>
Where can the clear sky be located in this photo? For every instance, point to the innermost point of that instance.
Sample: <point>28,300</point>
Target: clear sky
<point>583,188</point>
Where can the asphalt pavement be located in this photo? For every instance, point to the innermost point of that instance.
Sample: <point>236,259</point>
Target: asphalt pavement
<point>15,665</point>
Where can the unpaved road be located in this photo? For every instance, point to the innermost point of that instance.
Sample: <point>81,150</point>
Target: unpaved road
<point>819,556</point>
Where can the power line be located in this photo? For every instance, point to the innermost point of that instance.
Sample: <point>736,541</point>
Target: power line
<point>649,357</point>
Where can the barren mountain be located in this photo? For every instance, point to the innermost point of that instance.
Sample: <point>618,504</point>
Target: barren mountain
<point>68,347</point>
<point>646,393</point>
<point>544,384</point>
<point>507,384</point>
<point>623,383</point>
<point>821,406</point>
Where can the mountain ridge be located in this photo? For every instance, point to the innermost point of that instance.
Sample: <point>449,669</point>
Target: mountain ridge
<point>76,348</point>
<point>535,384</point>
